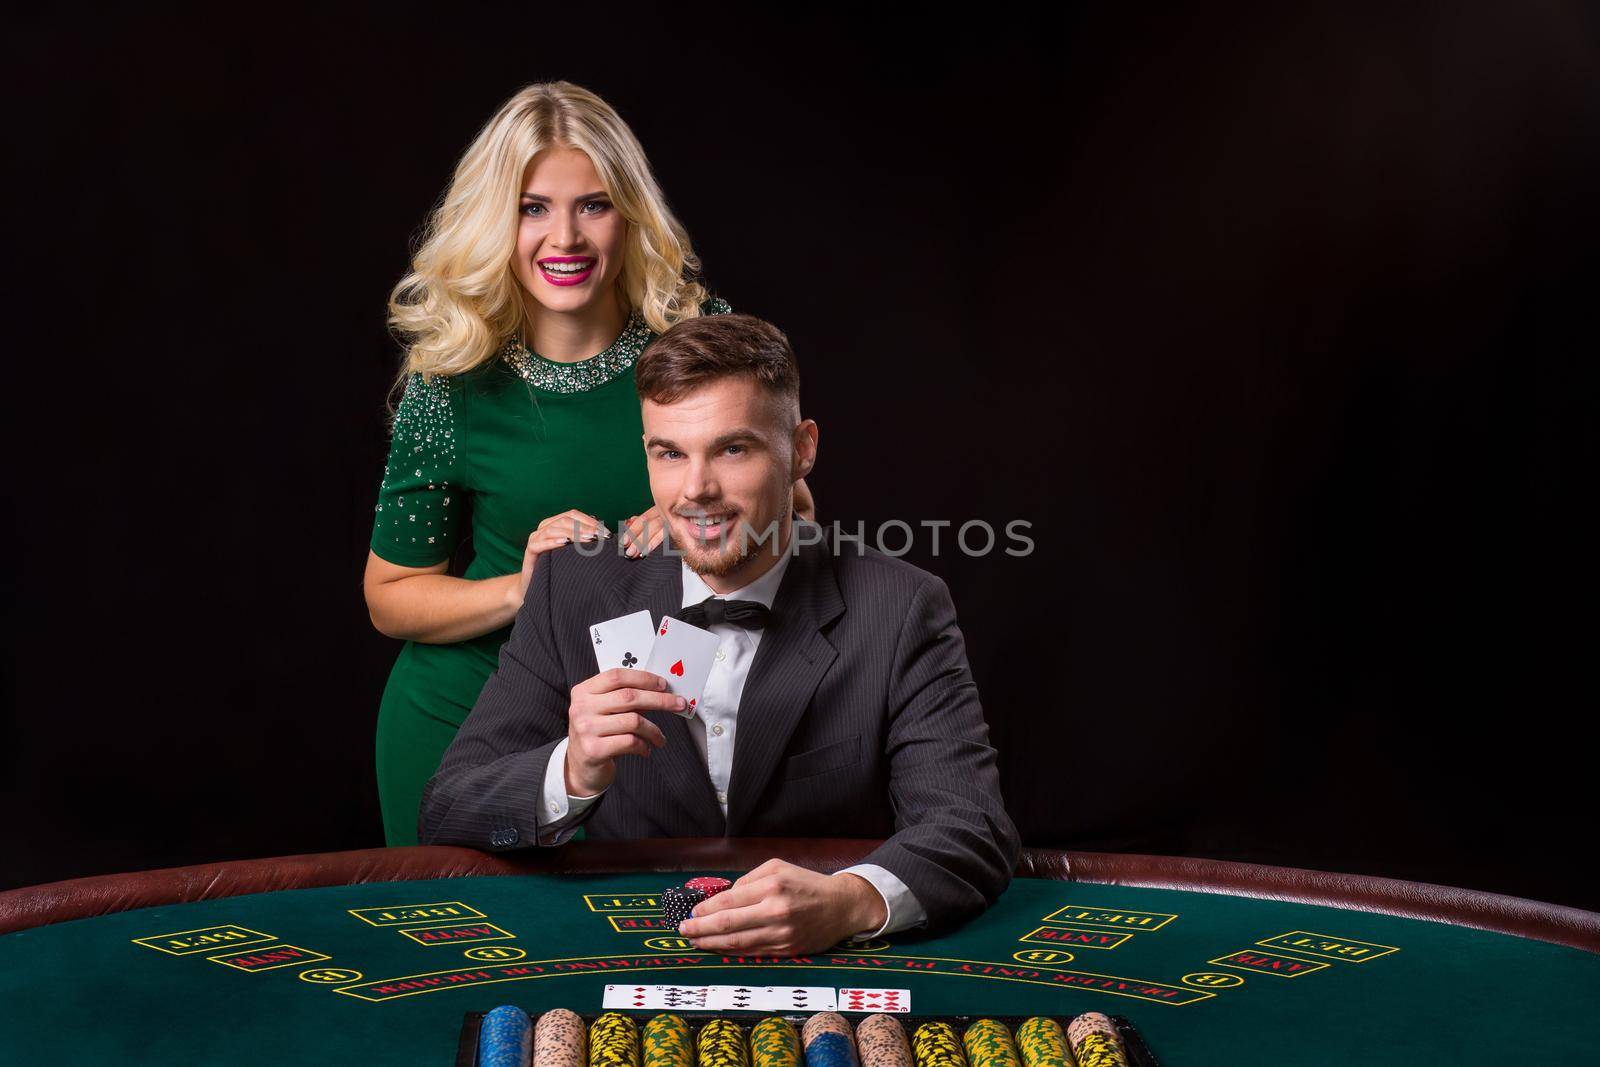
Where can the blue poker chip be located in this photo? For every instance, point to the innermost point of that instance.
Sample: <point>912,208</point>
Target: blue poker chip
<point>831,1050</point>
<point>505,1038</point>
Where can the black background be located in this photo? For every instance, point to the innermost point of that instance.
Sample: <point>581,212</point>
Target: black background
<point>1274,323</point>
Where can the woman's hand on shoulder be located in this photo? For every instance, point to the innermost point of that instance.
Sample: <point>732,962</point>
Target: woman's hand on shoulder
<point>563,529</point>
<point>642,533</point>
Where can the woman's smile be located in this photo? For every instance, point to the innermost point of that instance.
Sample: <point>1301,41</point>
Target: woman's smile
<point>567,270</point>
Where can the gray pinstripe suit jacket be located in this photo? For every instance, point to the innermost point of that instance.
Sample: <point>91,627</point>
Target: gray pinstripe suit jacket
<point>859,718</point>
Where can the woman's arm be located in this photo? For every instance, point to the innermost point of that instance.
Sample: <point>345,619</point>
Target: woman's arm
<point>428,605</point>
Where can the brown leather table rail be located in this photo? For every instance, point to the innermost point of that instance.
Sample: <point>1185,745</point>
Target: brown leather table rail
<point>81,898</point>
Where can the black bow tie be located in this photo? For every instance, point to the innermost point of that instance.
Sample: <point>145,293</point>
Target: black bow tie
<point>749,614</point>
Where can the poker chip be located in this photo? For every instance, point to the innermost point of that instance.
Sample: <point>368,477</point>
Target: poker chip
<point>830,1050</point>
<point>720,1043</point>
<point>560,1040</point>
<point>676,904</point>
<point>773,1043</point>
<point>825,1022</point>
<point>881,1041</point>
<point>666,1042</point>
<point>1043,1044</point>
<point>1094,1041</point>
<point>613,1041</point>
<point>505,1038</point>
<point>988,1044</point>
<point>828,1041</point>
<point>708,885</point>
<point>936,1045</point>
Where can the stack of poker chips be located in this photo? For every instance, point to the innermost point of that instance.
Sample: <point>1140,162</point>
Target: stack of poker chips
<point>613,1041</point>
<point>989,1044</point>
<point>679,901</point>
<point>828,1041</point>
<point>560,1040</point>
<point>721,1044</point>
<point>1095,1042</point>
<point>773,1043</point>
<point>936,1045</point>
<point>1043,1044</point>
<point>666,1042</point>
<point>507,1038</point>
<point>882,1042</point>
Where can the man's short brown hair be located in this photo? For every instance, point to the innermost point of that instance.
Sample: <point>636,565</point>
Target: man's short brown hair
<point>698,351</point>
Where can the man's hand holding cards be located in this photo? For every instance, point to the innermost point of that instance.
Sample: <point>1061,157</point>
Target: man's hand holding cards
<point>606,718</point>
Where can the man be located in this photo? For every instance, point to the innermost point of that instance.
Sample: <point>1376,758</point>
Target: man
<point>840,671</point>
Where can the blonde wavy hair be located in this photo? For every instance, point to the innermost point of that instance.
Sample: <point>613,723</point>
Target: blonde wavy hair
<point>462,300</point>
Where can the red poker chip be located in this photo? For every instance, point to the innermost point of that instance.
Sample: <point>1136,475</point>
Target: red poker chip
<point>709,886</point>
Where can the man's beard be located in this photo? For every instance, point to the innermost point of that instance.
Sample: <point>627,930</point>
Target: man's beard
<point>723,563</point>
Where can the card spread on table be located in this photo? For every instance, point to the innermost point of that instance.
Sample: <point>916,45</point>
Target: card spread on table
<point>885,1000</point>
<point>736,998</point>
<point>799,998</point>
<point>733,998</point>
<point>683,655</point>
<point>654,996</point>
<point>624,641</point>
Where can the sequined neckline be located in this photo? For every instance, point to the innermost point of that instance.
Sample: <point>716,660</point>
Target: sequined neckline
<point>585,374</point>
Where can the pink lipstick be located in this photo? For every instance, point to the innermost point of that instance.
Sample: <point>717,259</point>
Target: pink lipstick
<point>567,270</point>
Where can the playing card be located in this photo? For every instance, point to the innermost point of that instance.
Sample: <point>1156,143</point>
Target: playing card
<point>797,998</point>
<point>733,997</point>
<point>680,996</point>
<point>624,641</point>
<point>654,996</point>
<point>625,996</point>
<point>683,655</point>
<point>884,1000</point>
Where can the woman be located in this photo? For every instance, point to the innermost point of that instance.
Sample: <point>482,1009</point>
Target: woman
<point>552,260</point>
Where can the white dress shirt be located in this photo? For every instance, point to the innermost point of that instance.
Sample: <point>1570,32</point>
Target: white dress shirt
<point>713,727</point>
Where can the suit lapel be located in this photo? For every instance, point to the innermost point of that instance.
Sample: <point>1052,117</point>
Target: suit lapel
<point>789,664</point>
<point>658,585</point>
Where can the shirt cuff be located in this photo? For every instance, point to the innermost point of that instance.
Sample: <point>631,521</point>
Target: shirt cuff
<point>561,812</point>
<point>902,909</point>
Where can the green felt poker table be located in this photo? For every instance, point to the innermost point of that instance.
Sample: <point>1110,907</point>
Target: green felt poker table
<point>379,956</point>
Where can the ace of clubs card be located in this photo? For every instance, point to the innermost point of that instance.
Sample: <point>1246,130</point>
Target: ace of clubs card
<point>623,642</point>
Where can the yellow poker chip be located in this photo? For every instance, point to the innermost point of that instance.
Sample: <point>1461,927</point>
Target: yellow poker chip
<point>988,1044</point>
<point>774,1043</point>
<point>720,1043</point>
<point>1043,1043</point>
<point>935,1045</point>
<point>613,1041</point>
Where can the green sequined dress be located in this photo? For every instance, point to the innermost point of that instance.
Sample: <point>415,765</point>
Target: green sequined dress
<point>503,447</point>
